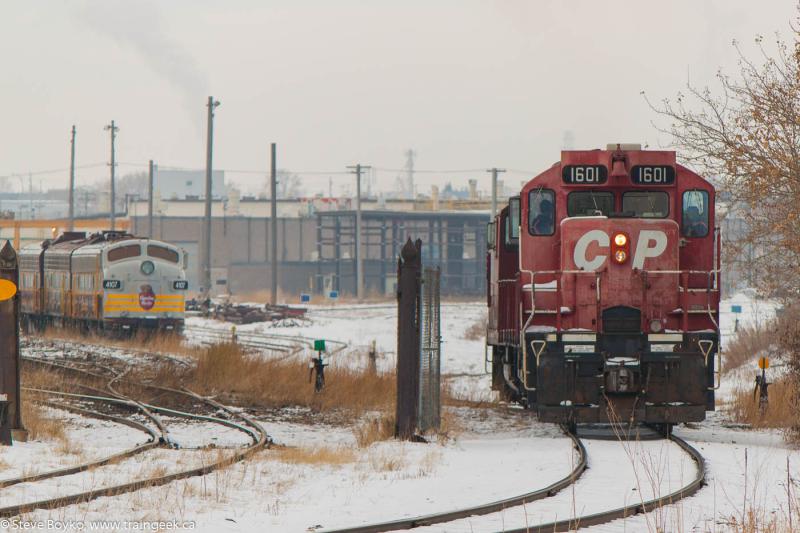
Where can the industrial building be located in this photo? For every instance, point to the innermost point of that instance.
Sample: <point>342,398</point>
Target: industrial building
<point>316,243</point>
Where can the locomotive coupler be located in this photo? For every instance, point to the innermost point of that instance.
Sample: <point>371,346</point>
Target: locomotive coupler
<point>622,375</point>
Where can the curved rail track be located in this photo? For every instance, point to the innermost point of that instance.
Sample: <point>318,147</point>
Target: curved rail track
<point>288,344</point>
<point>561,525</point>
<point>255,432</point>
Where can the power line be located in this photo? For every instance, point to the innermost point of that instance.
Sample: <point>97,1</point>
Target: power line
<point>53,171</point>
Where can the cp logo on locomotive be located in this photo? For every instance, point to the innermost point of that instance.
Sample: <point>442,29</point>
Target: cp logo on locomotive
<point>147,298</point>
<point>651,243</point>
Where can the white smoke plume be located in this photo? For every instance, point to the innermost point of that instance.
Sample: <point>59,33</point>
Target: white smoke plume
<point>140,26</point>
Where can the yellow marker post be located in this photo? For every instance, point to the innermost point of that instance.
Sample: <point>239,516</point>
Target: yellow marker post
<point>763,363</point>
<point>7,289</point>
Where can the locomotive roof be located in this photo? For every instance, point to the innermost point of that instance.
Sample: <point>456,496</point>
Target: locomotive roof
<point>619,166</point>
<point>79,242</point>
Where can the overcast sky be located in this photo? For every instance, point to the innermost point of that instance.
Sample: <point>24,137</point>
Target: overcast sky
<point>467,84</point>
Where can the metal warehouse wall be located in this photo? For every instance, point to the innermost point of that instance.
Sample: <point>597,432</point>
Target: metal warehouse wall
<point>318,254</point>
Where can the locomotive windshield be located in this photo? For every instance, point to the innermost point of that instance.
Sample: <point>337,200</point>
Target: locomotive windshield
<point>512,222</point>
<point>162,253</point>
<point>589,203</point>
<point>124,252</point>
<point>695,214</point>
<point>541,212</point>
<point>645,204</point>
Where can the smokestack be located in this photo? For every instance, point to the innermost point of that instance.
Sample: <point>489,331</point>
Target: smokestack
<point>435,198</point>
<point>473,189</point>
<point>233,202</point>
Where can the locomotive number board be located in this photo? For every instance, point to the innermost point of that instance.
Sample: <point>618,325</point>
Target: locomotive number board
<point>112,283</point>
<point>653,175</point>
<point>584,174</point>
<point>180,285</point>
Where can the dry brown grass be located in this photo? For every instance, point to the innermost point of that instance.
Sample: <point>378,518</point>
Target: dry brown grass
<point>227,369</point>
<point>321,455</point>
<point>142,340</point>
<point>476,331</point>
<point>374,429</point>
<point>386,460</point>
<point>781,412</point>
<point>40,426</point>
<point>747,344</point>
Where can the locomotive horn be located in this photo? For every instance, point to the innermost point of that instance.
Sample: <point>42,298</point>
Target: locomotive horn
<point>618,160</point>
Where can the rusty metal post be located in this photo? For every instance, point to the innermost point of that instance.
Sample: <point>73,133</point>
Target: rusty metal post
<point>409,269</point>
<point>9,343</point>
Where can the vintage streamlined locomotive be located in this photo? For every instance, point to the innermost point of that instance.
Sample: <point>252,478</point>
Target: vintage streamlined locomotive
<point>603,290</point>
<point>104,281</point>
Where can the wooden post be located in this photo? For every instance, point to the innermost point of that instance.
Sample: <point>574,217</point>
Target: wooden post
<point>9,343</point>
<point>409,268</point>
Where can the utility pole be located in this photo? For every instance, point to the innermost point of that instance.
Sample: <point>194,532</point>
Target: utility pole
<point>212,104</point>
<point>409,168</point>
<point>114,129</point>
<point>150,199</point>
<point>495,171</point>
<point>71,225</point>
<point>273,225</point>
<point>357,170</point>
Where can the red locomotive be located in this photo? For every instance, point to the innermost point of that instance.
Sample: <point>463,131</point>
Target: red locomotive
<point>604,290</point>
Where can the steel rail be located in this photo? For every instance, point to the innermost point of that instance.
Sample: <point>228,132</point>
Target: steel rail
<point>124,454</point>
<point>165,437</point>
<point>477,510</point>
<point>146,408</point>
<point>260,339</point>
<point>562,525</point>
<point>260,440</point>
<point>629,510</point>
<point>164,410</point>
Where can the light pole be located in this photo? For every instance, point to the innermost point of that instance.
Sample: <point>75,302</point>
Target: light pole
<point>113,129</point>
<point>357,170</point>
<point>211,105</point>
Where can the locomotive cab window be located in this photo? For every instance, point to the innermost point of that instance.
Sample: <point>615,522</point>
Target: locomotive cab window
<point>541,212</point>
<point>589,203</point>
<point>511,237</point>
<point>161,252</point>
<point>490,235</point>
<point>124,252</point>
<point>645,204</point>
<point>695,214</point>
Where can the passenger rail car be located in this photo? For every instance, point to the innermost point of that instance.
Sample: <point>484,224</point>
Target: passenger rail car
<point>604,288</point>
<point>105,281</point>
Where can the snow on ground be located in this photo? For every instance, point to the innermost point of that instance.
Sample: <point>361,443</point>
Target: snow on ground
<point>754,311</point>
<point>99,438</point>
<point>747,471</point>
<point>88,439</point>
<point>358,325</point>
<point>498,454</point>
<point>618,474</point>
<point>494,458</point>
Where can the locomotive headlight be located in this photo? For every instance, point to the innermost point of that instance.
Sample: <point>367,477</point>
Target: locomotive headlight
<point>655,325</point>
<point>619,248</point>
<point>147,268</point>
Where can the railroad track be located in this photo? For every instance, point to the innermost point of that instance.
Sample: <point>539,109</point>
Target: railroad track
<point>447,519</point>
<point>289,345</point>
<point>113,397</point>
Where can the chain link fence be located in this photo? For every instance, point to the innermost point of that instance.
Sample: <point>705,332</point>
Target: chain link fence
<point>429,407</point>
